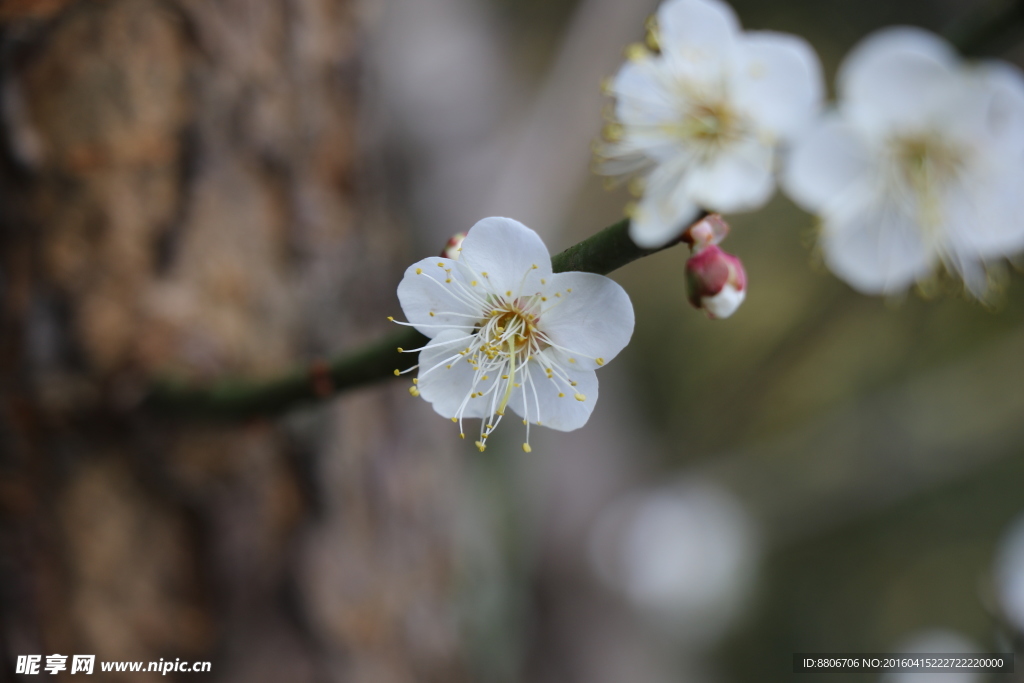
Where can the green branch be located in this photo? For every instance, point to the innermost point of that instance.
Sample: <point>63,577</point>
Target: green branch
<point>239,399</point>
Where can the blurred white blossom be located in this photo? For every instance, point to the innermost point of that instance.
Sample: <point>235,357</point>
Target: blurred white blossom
<point>700,119</point>
<point>684,555</point>
<point>941,642</point>
<point>507,332</point>
<point>920,164</point>
<point>1009,575</point>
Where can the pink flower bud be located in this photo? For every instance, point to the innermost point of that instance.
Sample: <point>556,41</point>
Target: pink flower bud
<point>715,281</point>
<point>454,246</point>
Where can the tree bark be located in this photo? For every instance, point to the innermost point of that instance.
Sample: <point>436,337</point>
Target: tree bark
<point>181,198</point>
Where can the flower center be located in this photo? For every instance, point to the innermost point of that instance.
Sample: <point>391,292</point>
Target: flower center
<point>708,125</point>
<point>925,160</point>
<point>506,350</point>
<point>509,327</point>
<point>927,164</point>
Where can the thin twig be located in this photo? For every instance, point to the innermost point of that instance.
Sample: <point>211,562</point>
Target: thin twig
<point>241,398</point>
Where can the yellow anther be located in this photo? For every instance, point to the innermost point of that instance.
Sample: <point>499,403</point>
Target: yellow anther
<point>543,281</point>
<point>543,298</point>
<point>448,367</point>
<point>526,447</point>
<point>637,52</point>
<point>440,265</point>
<point>580,397</point>
<point>419,271</point>
<point>462,436</point>
<point>535,266</point>
<point>448,280</point>
<point>391,318</point>
<point>504,376</point>
<point>599,361</point>
<point>613,132</point>
<point>472,283</point>
<point>508,293</point>
<point>484,273</point>
<point>400,349</point>
<point>481,446</point>
<point>561,395</point>
<point>431,314</point>
<point>572,360</point>
<point>415,381</point>
<point>397,373</point>
<point>485,377</point>
<point>524,423</point>
<point>637,186</point>
<point>569,290</point>
<point>455,419</point>
<point>652,38</point>
<point>572,384</point>
<point>414,391</point>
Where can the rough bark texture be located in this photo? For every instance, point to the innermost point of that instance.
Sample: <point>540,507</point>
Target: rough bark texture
<point>179,196</point>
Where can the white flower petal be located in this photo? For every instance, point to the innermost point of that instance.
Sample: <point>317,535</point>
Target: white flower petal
<point>826,165</point>
<point>896,78</point>
<point>665,209</point>
<point>641,97</point>
<point>593,320</point>
<point>738,179</point>
<point>877,249</point>
<point>443,387</point>
<point>698,36</point>
<point>647,107</point>
<point>564,413</point>
<point>427,292</point>
<point>513,257</point>
<point>725,303</point>
<point>986,221</point>
<point>778,81</point>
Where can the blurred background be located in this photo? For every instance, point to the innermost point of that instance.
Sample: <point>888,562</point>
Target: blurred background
<point>198,189</point>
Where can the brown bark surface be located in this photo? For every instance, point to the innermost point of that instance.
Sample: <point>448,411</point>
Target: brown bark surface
<point>179,196</point>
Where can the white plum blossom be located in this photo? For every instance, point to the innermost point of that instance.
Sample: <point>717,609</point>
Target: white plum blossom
<point>685,554</point>
<point>700,120</point>
<point>937,641</point>
<point>507,332</point>
<point>1009,575</point>
<point>920,164</point>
